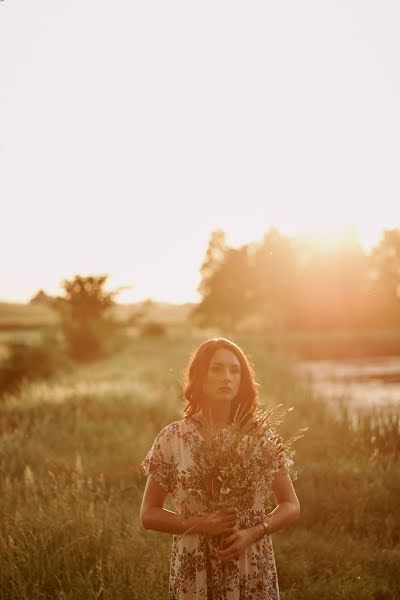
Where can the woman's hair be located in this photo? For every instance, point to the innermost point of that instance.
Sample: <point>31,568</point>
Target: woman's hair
<point>245,402</point>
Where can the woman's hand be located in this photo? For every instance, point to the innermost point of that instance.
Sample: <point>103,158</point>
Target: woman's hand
<point>222,520</point>
<point>237,543</point>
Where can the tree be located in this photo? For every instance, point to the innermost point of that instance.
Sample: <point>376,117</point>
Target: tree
<point>385,274</point>
<point>41,298</point>
<point>332,287</point>
<point>85,315</point>
<point>274,269</point>
<point>225,285</point>
<point>215,256</point>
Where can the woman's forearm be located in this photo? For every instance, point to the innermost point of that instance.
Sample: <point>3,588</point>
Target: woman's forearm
<point>166,521</point>
<point>283,515</point>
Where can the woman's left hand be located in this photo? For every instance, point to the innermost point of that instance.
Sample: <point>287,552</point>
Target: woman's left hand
<point>236,544</point>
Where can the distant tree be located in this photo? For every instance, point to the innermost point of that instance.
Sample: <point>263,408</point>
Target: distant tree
<point>85,315</point>
<point>274,270</point>
<point>385,274</point>
<point>291,283</point>
<point>225,285</point>
<point>332,285</point>
<point>215,256</point>
<point>41,298</point>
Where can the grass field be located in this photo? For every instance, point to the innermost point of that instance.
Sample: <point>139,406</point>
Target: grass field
<point>29,322</point>
<point>71,487</point>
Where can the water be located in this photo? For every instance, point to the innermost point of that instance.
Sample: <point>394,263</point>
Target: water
<point>360,383</point>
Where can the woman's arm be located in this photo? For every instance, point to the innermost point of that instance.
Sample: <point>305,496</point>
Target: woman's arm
<point>286,511</point>
<point>154,516</point>
<point>287,507</point>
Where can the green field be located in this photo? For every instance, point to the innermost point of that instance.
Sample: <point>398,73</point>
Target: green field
<point>71,485</point>
<point>20,316</point>
<point>31,323</point>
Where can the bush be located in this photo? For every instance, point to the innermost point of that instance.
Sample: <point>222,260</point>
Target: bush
<point>90,340</point>
<point>26,362</point>
<point>85,317</point>
<point>153,328</point>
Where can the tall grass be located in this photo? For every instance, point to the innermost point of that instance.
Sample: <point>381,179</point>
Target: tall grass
<point>71,487</point>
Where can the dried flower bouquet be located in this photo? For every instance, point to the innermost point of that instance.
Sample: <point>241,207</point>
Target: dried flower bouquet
<point>239,461</point>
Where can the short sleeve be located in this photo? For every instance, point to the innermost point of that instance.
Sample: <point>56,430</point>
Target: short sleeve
<point>159,463</point>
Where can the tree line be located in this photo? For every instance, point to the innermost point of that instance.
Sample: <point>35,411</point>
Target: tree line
<point>293,284</point>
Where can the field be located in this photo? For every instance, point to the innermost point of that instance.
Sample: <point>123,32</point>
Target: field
<point>31,322</point>
<point>71,485</point>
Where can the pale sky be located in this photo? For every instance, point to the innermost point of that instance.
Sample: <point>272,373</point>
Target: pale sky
<point>130,130</point>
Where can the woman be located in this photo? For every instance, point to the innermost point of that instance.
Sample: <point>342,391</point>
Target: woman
<point>218,383</point>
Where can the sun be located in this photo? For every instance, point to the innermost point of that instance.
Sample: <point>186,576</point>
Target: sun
<point>329,239</point>
<point>330,236</point>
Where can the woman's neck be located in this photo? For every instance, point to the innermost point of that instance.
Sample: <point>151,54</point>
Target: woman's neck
<point>216,418</point>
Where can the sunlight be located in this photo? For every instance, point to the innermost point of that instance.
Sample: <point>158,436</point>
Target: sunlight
<point>331,238</point>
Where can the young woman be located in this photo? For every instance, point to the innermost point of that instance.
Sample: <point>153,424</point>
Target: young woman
<point>218,382</point>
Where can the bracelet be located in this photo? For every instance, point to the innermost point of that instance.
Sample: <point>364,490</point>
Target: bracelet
<point>264,528</point>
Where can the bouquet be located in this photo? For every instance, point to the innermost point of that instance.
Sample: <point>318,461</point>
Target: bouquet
<point>239,461</point>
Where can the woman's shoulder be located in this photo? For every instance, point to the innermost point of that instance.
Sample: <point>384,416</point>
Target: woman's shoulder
<point>175,428</point>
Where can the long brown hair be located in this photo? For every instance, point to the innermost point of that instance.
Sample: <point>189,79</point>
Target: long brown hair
<point>245,402</point>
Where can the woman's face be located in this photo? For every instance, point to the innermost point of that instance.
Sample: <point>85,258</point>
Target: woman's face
<point>222,380</point>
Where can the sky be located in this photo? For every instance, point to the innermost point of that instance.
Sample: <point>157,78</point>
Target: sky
<point>129,131</point>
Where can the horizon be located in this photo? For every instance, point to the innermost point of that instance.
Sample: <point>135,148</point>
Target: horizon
<point>26,303</point>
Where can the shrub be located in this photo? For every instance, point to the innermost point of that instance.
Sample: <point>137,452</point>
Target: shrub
<point>153,328</point>
<point>85,316</point>
<point>26,362</point>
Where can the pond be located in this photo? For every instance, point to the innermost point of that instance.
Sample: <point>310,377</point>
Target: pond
<point>360,383</point>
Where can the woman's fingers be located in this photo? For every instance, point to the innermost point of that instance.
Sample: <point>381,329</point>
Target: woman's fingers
<point>229,514</point>
<point>222,514</point>
<point>226,520</point>
<point>224,552</point>
<point>228,553</point>
<point>228,530</point>
<point>229,540</point>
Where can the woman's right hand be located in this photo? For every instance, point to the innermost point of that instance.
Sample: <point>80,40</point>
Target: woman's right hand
<point>223,520</point>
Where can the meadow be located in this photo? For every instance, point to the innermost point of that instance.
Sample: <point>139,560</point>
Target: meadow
<point>71,485</point>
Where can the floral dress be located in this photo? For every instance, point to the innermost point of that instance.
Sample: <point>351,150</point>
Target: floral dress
<point>196,572</point>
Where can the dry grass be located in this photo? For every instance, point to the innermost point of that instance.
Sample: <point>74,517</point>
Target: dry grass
<point>71,486</point>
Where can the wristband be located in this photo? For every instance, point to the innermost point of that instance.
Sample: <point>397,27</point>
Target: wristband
<point>264,528</point>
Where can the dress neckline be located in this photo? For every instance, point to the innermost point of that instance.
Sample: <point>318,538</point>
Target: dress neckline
<point>199,418</point>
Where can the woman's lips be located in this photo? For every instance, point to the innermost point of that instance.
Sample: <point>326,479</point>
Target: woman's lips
<point>225,389</point>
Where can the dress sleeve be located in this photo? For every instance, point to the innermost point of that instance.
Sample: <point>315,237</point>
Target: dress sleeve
<point>159,462</point>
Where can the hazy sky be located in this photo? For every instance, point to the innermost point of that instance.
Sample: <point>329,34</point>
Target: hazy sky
<point>130,130</point>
